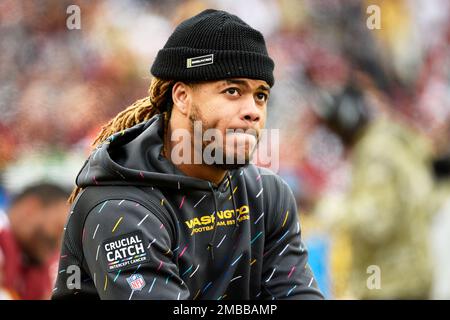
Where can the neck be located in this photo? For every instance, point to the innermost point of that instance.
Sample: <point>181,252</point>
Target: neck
<point>200,171</point>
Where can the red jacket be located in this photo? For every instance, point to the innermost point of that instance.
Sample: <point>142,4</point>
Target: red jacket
<point>22,281</point>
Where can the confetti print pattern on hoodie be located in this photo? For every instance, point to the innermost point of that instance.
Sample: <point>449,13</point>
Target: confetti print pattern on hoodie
<point>187,238</point>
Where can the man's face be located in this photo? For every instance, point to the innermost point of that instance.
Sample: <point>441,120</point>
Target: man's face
<point>48,233</point>
<point>236,109</point>
<point>41,234</point>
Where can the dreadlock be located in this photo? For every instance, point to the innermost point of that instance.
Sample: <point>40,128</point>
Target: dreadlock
<point>158,101</point>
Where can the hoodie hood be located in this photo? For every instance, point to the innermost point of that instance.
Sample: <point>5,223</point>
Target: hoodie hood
<point>134,157</point>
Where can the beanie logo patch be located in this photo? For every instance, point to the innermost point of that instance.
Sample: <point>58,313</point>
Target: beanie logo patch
<point>200,61</point>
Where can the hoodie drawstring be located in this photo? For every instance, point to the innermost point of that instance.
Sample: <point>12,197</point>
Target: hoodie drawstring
<point>211,241</point>
<point>210,245</point>
<point>236,222</point>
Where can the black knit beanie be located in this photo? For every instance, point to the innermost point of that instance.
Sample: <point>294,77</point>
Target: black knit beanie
<point>214,45</point>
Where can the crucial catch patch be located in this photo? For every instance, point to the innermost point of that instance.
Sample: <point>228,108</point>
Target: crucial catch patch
<point>125,251</point>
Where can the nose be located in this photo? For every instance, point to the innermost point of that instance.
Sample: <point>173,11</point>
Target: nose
<point>251,112</point>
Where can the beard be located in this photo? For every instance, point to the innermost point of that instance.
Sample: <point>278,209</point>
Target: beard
<point>226,161</point>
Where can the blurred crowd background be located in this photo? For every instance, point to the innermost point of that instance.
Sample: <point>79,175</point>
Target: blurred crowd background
<point>363,116</point>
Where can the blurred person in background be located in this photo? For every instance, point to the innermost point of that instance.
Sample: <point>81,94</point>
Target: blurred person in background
<point>30,236</point>
<point>376,177</point>
<point>387,207</point>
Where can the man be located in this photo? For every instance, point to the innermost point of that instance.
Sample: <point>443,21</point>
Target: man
<point>29,242</point>
<point>386,209</point>
<point>148,226</point>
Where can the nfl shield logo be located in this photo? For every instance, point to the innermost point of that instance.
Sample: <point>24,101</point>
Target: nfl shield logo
<point>136,282</point>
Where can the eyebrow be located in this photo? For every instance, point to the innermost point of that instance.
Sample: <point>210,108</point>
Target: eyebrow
<point>244,83</point>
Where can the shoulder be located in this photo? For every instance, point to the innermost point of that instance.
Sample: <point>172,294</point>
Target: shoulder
<point>116,207</point>
<point>269,180</point>
<point>124,198</point>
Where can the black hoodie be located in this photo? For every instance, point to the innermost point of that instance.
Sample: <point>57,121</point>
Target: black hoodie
<point>141,229</point>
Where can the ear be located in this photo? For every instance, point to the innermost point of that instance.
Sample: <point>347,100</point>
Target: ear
<point>181,97</point>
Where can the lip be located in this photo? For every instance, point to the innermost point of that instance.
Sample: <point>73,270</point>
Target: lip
<point>252,132</point>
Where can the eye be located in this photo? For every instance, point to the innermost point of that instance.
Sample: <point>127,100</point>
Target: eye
<point>262,96</point>
<point>232,91</point>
